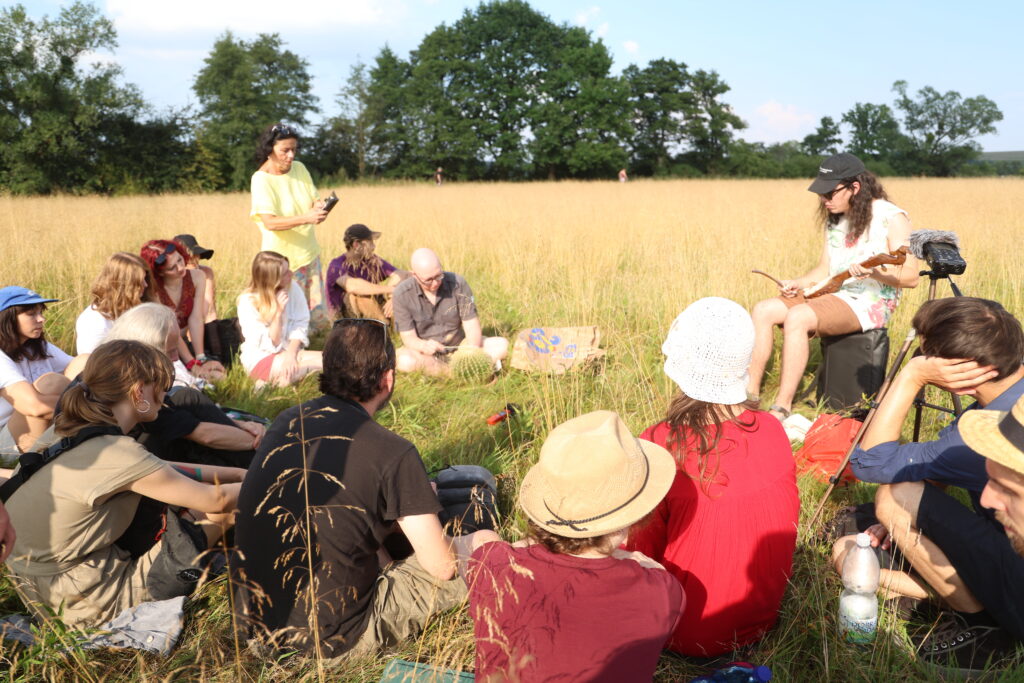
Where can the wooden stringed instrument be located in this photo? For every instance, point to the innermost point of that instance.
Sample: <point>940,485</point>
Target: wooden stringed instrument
<point>832,285</point>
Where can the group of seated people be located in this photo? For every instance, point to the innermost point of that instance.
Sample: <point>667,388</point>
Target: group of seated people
<point>680,539</point>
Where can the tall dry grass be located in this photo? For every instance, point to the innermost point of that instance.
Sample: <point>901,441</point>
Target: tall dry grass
<point>624,257</point>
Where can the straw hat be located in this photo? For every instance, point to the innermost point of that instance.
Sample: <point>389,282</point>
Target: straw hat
<point>708,349</point>
<point>594,477</point>
<point>996,434</point>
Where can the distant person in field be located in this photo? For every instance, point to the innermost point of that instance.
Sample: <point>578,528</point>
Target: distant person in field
<point>359,282</point>
<point>958,554</point>
<point>734,479</point>
<point>181,290</point>
<point>274,318</point>
<point>567,604</point>
<point>435,313</point>
<point>123,284</point>
<point>72,555</point>
<point>622,175</point>
<point>859,222</point>
<point>362,486</point>
<point>439,176</point>
<point>287,209</point>
<point>33,372</point>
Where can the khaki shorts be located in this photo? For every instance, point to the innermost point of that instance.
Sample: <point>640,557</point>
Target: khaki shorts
<point>406,597</point>
<point>834,315</point>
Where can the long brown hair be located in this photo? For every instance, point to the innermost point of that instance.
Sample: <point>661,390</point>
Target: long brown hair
<point>859,213</point>
<point>267,269</point>
<point>114,370</point>
<point>10,335</point>
<point>696,427</point>
<point>124,283</point>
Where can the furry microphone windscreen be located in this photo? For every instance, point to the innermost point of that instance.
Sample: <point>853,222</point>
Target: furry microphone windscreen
<point>919,238</point>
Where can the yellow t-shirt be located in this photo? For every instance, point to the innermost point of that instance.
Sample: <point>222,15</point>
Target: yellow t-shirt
<point>290,194</point>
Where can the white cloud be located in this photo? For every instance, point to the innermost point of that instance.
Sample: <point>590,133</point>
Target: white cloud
<point>777,122</point>
<point>250,16</point>
<point>584,16</point>
<point>631,46</point>
<point>602,30</point>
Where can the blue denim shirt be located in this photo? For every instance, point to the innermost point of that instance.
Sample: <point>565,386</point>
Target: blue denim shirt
<point>947,459</point>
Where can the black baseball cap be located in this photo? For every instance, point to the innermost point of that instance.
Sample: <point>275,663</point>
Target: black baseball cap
<point>834,169</point>
<point>190,243</point>
<point>358,231</point>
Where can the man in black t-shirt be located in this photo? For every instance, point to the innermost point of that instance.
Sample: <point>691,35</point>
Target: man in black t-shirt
<point>361,481</point>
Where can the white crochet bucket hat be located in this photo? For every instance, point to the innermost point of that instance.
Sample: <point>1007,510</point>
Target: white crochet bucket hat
<point>708,348</point>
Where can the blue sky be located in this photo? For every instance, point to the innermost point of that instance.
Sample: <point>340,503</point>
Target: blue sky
<point>788,63</point>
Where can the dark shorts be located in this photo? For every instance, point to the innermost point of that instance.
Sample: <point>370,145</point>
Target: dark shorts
<point>981,553</point>
<point>835,317</point>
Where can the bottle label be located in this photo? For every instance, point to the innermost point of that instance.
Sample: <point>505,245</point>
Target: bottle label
<point>858,630</point>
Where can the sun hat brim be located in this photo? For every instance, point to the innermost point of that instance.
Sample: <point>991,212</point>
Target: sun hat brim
<point>980,431</point>
<point>534,491</point>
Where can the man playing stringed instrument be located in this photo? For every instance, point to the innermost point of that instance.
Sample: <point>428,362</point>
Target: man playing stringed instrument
<point>859,223</point>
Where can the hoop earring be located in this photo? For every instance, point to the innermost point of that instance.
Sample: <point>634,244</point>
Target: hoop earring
<point>149,406</point>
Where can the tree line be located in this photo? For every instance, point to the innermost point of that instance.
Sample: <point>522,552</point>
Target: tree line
<point>503,93</point>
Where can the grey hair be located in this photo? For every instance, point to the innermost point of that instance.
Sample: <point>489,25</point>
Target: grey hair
<point>150,323</point>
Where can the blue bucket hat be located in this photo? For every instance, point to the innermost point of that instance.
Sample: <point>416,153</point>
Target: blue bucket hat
<point>19,296</point>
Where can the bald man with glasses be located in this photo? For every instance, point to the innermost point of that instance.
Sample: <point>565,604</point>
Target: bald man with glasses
<point>435,313</point>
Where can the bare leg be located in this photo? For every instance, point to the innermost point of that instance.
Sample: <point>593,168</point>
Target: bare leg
<point>893,581</point>
<point>800,323</point>
<point>411,361</point>
<point>766,315</point>
<point>464,546</point>
<point>496,347</point>
<point>896,507</point>
<point>26,429</point>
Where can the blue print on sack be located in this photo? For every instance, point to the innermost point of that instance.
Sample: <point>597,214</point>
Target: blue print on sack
<point>540,342</point>
<point>570,351</point>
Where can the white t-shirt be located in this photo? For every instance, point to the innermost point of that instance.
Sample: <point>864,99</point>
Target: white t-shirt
<point>27,371</point>
<point>90,330</point>
<point>257,344</point>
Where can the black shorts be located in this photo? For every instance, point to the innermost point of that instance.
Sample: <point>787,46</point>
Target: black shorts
<point>981,553</point>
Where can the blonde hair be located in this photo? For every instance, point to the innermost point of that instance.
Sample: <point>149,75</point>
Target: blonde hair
<point>268,267</point>
<point>150,323</point>
<point>114,370</point>
<point>124,282</point>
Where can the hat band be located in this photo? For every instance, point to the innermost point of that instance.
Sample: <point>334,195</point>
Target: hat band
<point>1012,430</point>
<point>574,523</point>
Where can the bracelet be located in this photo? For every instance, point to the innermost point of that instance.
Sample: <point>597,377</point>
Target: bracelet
<point>192,363</point>
<point>202,358</point>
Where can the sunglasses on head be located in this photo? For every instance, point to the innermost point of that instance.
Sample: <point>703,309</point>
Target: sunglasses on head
<point>282,131</point>
<point>162,258</point>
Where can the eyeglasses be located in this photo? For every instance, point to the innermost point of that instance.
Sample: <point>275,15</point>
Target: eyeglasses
<point>167,252</point>
<point>827,196</point>
<point>282,131</point>
<point>430,280</point>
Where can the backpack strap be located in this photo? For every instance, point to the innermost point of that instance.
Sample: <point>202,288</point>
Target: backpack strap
<point>31,462</point>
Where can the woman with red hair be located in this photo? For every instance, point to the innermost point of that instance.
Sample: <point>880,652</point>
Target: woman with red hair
<point>175,286</point>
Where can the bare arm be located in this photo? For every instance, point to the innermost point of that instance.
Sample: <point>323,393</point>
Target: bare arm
<point>474,333</point>
<point>7,536</point>
<point>28,401</point>
<point>905,276</point>
<point>430,545</point>
<point>224,437</point>
<point>425,346</point>
<point>209,473</point>
<point>174,488</point>
<point>357,285</point>
<point>957,375</point>
<point>272,222</point>
<point>197,318</point>
<point>209,294</point>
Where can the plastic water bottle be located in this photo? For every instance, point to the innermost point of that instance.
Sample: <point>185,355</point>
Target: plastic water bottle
<point>858,605</point>
<point>737,672</point>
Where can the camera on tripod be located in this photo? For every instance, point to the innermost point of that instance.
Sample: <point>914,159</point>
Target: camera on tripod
<point>940,250</point>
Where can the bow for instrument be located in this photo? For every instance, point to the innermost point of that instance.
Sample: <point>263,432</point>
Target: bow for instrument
<point>832,285</point>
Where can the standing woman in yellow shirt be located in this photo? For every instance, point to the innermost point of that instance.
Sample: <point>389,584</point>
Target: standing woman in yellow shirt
<point>287,209</point>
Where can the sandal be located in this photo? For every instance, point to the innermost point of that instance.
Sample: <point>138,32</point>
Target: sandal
<point>779,410</point>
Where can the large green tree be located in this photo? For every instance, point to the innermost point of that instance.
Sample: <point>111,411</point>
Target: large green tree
<point>824,140</point>
<point>72,126</point>
<point>660,101</point>
<point>242,87</point>
<point>874,132</point>
<point>941,127</point>
<point>712,127</point>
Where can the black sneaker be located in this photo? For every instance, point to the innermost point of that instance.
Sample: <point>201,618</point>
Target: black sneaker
<point>955,644</point>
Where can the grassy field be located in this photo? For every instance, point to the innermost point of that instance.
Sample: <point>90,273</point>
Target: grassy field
<point>626,258</point>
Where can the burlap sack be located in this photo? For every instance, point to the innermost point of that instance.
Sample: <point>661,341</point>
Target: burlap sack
<point>556,350</point>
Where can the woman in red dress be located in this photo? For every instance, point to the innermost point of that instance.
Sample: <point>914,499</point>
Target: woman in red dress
<point>727,528</point>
